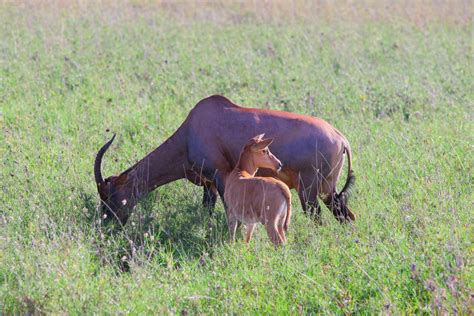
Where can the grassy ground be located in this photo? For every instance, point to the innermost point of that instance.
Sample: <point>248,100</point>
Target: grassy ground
<point>397,80</point>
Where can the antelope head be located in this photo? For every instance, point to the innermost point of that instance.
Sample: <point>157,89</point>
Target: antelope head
<point>115,192</point>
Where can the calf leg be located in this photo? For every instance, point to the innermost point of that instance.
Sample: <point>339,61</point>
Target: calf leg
<point>249,232</point>
<point>272,232</point>
<point>281,230</point>
<point>232,225</point>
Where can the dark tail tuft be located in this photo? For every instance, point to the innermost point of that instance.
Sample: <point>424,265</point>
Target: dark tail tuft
<point>347,189</point>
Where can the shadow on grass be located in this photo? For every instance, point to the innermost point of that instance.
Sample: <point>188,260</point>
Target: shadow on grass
<point>182,229</point>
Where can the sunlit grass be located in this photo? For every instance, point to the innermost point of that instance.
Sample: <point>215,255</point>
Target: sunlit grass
<point>396,82</point>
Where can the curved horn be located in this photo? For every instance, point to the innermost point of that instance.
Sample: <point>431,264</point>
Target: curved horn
<point>98,161</point>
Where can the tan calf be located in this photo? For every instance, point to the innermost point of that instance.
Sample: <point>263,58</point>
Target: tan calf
<point>253,199</point>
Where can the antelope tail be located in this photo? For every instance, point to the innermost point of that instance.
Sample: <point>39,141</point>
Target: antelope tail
<point>350,176</point>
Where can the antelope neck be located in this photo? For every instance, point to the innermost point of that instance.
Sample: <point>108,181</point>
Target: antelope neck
<point>163,165</point>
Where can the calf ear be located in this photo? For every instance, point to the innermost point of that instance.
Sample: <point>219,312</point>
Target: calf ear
<point>262,144</point>
<point>258,138</point>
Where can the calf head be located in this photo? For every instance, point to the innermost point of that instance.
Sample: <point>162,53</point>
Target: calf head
<point>116,192</point>
<point>257,151</point>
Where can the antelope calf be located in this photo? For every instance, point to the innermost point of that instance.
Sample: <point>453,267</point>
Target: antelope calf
<point>253,199</point>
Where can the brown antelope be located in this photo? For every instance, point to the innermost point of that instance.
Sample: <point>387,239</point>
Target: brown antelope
<point>206,147</point>
<point>251,199</point>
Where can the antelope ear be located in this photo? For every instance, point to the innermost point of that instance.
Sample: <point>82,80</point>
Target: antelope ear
<point>262,144</point>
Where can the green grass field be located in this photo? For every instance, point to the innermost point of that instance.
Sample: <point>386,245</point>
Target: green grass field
<point>397,80</point>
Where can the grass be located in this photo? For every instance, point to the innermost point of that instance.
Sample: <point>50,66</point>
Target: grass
<point>398,82</point>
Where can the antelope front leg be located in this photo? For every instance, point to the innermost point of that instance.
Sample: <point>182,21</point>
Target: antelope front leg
<point>209,198</point>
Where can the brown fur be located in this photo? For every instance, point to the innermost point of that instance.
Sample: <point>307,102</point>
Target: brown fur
<point>253,199</point>
<point>206,148</point>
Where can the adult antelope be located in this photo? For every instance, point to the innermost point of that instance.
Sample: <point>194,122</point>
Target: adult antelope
<point>206,147</point>
<point>253,199</point>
